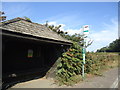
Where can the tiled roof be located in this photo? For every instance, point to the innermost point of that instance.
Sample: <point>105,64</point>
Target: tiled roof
<point>20,25</point>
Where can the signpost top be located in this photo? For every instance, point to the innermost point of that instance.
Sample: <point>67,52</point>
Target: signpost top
<point>85,30</point>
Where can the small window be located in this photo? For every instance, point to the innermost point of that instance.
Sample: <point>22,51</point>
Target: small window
<point>30,53</point>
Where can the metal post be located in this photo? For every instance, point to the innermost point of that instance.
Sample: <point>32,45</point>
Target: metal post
<point>83,71</point>
<point>85,30</point>
<point>83,58</point>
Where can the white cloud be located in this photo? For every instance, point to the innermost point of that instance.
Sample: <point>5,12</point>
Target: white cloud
<point>73,31</point>
<point>70,31</point>
<point>56,24</point>
<point>100,38</point>
<point>69,19</point>
<point>52,23</point>
<point>104,37</point>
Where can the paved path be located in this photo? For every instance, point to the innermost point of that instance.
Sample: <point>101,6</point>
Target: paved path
<point>38,83</point>
<point>108,80</point>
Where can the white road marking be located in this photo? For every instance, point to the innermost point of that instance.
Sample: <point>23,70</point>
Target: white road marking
<point>115,84</point>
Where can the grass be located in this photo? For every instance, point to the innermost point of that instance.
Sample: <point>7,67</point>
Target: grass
<point>72,80</point>
<point>103,61</point>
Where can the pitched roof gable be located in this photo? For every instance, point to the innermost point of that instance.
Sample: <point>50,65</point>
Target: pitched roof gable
<point>23,26</point>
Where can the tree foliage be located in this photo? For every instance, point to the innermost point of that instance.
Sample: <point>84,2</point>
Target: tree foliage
<point>56,29</point>
<point>27,19</point>
<point>113,47</point>
<point>70,63</point>
<point>2,18</point>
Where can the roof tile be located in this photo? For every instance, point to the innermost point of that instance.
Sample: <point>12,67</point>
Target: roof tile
<point>20,25</point>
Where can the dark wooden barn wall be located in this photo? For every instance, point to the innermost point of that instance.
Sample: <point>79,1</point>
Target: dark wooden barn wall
<point>17,67</point>
<point>15,53</point>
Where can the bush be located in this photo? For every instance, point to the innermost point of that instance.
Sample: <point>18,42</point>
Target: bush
<point>70,64</point>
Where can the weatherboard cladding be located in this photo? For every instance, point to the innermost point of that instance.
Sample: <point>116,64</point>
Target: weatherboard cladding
<point>20,25</point>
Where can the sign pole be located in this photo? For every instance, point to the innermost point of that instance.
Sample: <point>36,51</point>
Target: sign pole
<point>83,52</point>
<point>85,33</point>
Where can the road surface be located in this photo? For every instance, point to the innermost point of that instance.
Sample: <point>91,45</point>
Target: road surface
<point>108,80</point>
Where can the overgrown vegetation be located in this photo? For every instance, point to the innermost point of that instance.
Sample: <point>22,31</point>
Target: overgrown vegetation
<point>70,65</point>
<point>101,61</point>
<point>69,71</point>
<point>69,68</point>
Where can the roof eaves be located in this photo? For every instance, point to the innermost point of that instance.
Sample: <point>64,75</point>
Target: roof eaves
<point>9,30</point>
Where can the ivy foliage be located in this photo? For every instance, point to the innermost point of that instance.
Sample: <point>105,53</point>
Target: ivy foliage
<point>70,63</point>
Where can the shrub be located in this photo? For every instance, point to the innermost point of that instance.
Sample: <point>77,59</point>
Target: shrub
<point>70,64</point>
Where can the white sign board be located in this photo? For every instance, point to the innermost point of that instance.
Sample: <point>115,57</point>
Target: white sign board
<point>86,29</point>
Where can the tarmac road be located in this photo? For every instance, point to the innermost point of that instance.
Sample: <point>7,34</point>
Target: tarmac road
<point>108,80</point>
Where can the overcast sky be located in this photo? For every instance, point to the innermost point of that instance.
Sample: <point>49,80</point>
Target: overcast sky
<point>102,17</point>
